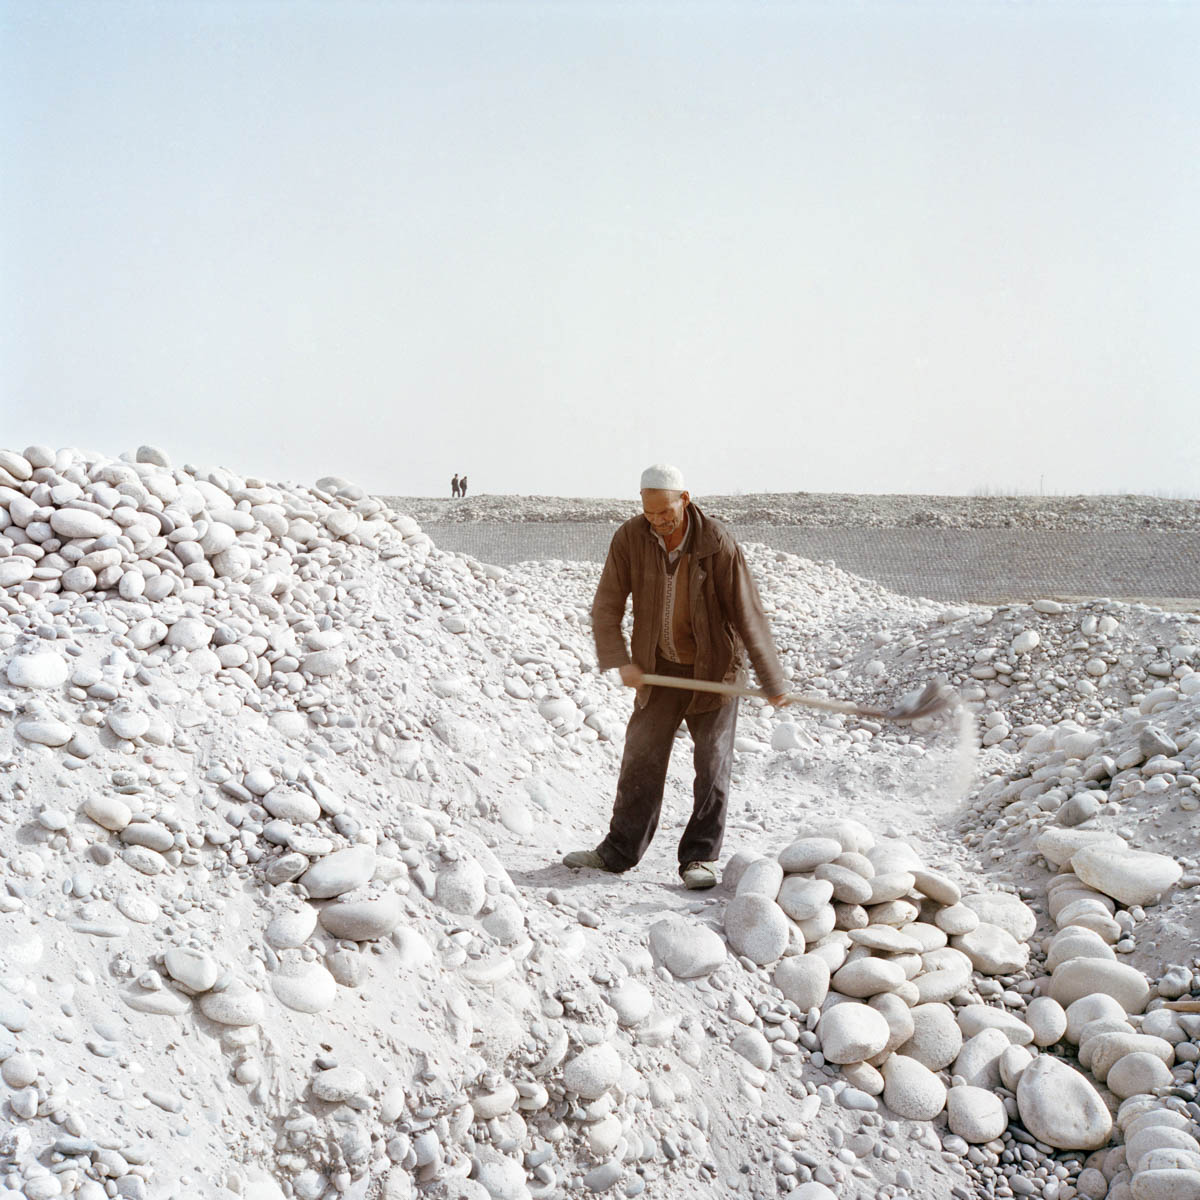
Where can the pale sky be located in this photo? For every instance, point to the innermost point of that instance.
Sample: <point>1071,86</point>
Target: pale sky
<point>846,246</point>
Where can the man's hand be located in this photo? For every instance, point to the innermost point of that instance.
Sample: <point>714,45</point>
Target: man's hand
<point>631,675</point>
<point>780,701</point>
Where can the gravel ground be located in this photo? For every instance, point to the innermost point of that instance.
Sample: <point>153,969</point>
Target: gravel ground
<point>993,550</point>
<point>812,510</point>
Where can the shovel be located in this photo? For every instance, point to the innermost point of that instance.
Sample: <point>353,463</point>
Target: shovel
<point>933,699</point>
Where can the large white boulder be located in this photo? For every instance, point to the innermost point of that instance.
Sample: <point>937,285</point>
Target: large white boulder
<point>976,1114</point>
<point>1058,845</point>
<point>363,920</point>
<point>339,872</point>
<point>1060,1107</point>
<point>593,1071</point>
<point>803,979</point>
<point>852,1033</point>
<point>803,898</point>
<point>757,927</point>
<point>44,670</point>
<point>1085,976</point>
<point>807,853</point>
<point>1130,876</point>
<point>936,1039</point>
<point>685,947</point>
<point>1004,909</point>
<point>912,1090</point>
<point>992,949</point>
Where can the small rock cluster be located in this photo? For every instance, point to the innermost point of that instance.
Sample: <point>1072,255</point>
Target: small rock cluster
<point>887,960</point>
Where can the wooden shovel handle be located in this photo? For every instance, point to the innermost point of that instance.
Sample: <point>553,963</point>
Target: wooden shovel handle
<point>701,685</point>
<point>732,689</point>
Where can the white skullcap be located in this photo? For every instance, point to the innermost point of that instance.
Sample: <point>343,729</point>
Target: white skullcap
<point>662,477</point>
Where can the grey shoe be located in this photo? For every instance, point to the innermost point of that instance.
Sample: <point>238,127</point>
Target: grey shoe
<point>698,875</point>
<point>586,858</point>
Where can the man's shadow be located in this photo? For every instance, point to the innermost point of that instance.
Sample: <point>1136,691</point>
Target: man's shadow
<point>555,875</point>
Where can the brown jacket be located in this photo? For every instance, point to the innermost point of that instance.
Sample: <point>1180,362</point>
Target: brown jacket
<point>727,614</point>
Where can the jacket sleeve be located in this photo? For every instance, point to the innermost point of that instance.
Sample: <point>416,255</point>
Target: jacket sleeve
<point>750,621</point>
<point>608,607</point>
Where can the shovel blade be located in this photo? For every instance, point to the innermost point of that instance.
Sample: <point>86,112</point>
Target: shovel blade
<point>932,699</point>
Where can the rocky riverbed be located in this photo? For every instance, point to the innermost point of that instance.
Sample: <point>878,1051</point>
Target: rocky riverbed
<point>283,793</point>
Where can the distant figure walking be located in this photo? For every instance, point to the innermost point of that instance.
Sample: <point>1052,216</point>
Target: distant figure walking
<point>454,486</point>
<point>462,486</point>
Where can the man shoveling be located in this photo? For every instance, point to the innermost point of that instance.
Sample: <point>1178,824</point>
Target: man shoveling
<point>696,613</point>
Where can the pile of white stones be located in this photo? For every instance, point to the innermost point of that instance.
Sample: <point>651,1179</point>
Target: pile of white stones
<point>254,937</point>
<point>887,959</point>
<point>1047,670</point>
<point>220,732</point>
<point>1095,779</point>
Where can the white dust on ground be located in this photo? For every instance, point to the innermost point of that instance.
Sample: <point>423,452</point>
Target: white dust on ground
<point>312,675</point>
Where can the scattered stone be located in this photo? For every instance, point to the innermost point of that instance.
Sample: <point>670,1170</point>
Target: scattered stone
<point>992,950</point>
<point>1085,976</point>
<point>45,731</point>
<point>1138,1073</point>
<point>39,671</point>
<point>802,898</point>
<point>337,1085</point>
<point>956,919</point>
<point>193,968</point>
<point>362,920</point>
<point>108,811</point>
<point>1059,845</point>
<point>912,1090</point>
<point>235,1005</point>
<point>288,930</point>
<point>229,657</point>
<point>865,977</point>
<point>849,887</point>
<point>805,854</point>
<point>19,1070</point>
<point>851,1033</point>
<point>1092,1007</point>
<point>757,927</point>
<point>754,1048</point>
<point>593,1071</point>
<point>462,887</point>
<point>1060,1107</point>
<point>305,987</point>
<point>1130,876</point>
<point>1047,1020</point>
<point>975,1114</point>
<point>763,877</point>
<point>128,723</point>
<point>938,887</point>
<point>975,1018</point>
<point>686,948</point>
<point>803,979</point>
<point>978,1061</point>
<point>632,1002</point>
<point>341,871</point>
<point>291,804</point>
<point>885,938</point>
<point>936,1038</point>
<point>1004,910</point>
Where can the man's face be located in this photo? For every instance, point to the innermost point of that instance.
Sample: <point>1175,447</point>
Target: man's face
<point>664,511</point>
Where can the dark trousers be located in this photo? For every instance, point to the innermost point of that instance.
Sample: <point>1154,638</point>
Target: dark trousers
<point>648,741</point>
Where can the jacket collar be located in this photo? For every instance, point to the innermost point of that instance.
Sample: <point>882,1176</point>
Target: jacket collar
<point>704,540</point>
